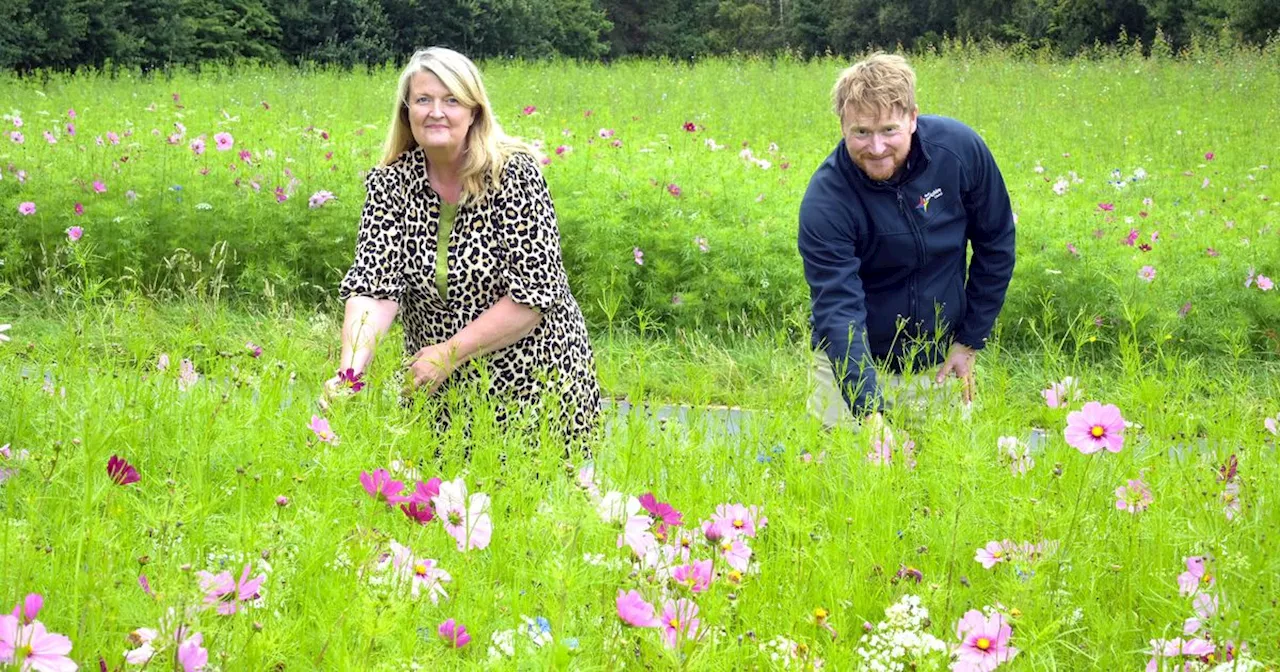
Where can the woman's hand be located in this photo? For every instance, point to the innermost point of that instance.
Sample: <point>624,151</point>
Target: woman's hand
<point>430,367</point>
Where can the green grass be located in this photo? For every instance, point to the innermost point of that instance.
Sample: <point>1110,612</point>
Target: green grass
<point>214,459</point>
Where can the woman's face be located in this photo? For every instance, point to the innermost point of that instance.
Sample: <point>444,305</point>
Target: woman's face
<point>437,118</point>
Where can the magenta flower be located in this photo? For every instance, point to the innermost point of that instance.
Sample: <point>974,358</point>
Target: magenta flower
<point>1094,428</point>
<point>454,634</point>
<point>690,126</point>
<point>679,622</point>
<point>320,426</point>
<point>696,577</point>
<point>1059,394</point>
<point>79,209</point>
<point>282,501</point>
<point>1134,496</point>
<point>74,233</point>
<point>984,642</point>
<point>1131,238</point>
<point>634,611</point>
<point>740,519</point>
<point>674,190</point>
<point>529,109</point>
<point>351,380</point>
<point>246,156</point>
<point>99,187</point>
<point>26,208</point>
<point>1208,156</point>
<point>27,610</point>
<point>121,472</point>
<point>382,488</point>
<point>223,141</point>
<point>992,554</point>
<point>197,146</point>
<point>192,655</point>
<point>1147,273</point>
<point>664,514</point>
<point>1106,207</point>
<point>71,113</point>
<point>418,506</point>
<point>561,150</point>
<point>39,649</point>
<point>255,350</point>
<point>226,593</point>
<point>1196,577</point>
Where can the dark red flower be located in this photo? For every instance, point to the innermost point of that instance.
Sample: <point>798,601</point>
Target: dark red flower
<point>121,471</point>
<point>690,126</point>
<point>351,379</point>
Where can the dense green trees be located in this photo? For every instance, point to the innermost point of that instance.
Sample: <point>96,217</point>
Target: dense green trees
<point>66,34</point>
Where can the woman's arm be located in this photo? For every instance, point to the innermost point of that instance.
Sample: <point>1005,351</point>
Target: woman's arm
<point>366,321</point>
<point>501,325</point>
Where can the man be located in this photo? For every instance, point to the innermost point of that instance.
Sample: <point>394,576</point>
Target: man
<point>884,227</point>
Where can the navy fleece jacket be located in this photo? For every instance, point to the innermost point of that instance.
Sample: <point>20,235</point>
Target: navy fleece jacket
<point>885,261</point>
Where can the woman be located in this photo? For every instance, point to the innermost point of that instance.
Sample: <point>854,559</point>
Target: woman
<point>459,236</point>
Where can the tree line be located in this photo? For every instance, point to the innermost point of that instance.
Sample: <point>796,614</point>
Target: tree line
<point>147,34</point>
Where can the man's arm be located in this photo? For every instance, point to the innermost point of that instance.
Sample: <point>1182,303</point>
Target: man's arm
<point>828,247</point>
<point>990,232</point>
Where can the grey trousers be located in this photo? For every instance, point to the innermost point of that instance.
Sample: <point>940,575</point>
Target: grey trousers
<point>915,395</point>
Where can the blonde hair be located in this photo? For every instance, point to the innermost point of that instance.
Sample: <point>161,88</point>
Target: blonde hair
<point>486,148</point>
<point>881,83</point>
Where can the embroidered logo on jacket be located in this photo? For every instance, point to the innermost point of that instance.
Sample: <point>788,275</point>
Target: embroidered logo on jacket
<point>923,205</point>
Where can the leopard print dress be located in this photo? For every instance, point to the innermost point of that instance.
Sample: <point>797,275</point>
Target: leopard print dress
<point>506,243</point>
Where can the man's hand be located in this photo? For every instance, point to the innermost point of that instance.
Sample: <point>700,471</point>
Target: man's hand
<point>877,427</point>
<point>430,367</point>
<point>960,364</point>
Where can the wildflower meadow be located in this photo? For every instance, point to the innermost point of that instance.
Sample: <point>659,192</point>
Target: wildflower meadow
<point>174,497</point>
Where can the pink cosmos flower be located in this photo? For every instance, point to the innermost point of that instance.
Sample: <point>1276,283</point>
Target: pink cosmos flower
<point>319,198</point>
<point>466,519</point>
<point>71,113</point>
<point>255,350</point>
<point>227,594</point>
<point>17,122</point>
<point>27,610</point>
<point>49,138</point>
<point>192,655</point>
<point>1016,453</point>
<point>1147,273</point>
<point>99,187</point>
<point>454,634</point>
<point>246,156</point>
<point>1208,156</point>
<point>634,611</point>
<point>121,472</point>
<point>17,137</point>
<point>1094,428</point>
<point>113,138</point>
<point>638,255</point>
<point>418,506</point>
<point>26,208</point>
<point>1196,577</point>
<point>674,190</point>
<point>320,426</point>
<point>739,518</point>
<point>1176,648</point>
<point>992,554</point>
<point>223,141</point>
<point>79,209</point>
<point>529,109</point>
<point>426,576</point>
<point>1265,283</point>
<point>39,649</point>
<point>197,146</point>
<point>71,130</point>
<point>696,577</point>
<point>638,535</point>
<point>984,642</point>
<point>606,133</point>
<point>351,380</point>
<point>1106,207</point>
<point>735,553</point>
<point>74,233</point>
<point>1059,394</point>
<point>382,488</point>
<point>1134,496</point>
<point>1131,238</point>
<point>679,622</point>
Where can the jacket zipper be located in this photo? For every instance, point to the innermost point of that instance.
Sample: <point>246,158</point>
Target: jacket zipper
<point>915,235</point>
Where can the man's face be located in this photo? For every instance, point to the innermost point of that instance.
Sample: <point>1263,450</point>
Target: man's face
<point>878,142</point>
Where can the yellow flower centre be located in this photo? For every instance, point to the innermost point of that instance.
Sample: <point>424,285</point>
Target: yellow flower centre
<point>1228,497</point>
<point>690,580</point>
<point>735,576</point>
<point>1098,431</point>
<point>1205,578</point>
<point>22,652</point>
<point>420,569</point>
<point>685,542</point>
<point>726,546</point>
<point>998,554</point>
<point>983,644</point>
<point>739,524</point>
<point>674,623</point>
<point>820,614</point>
